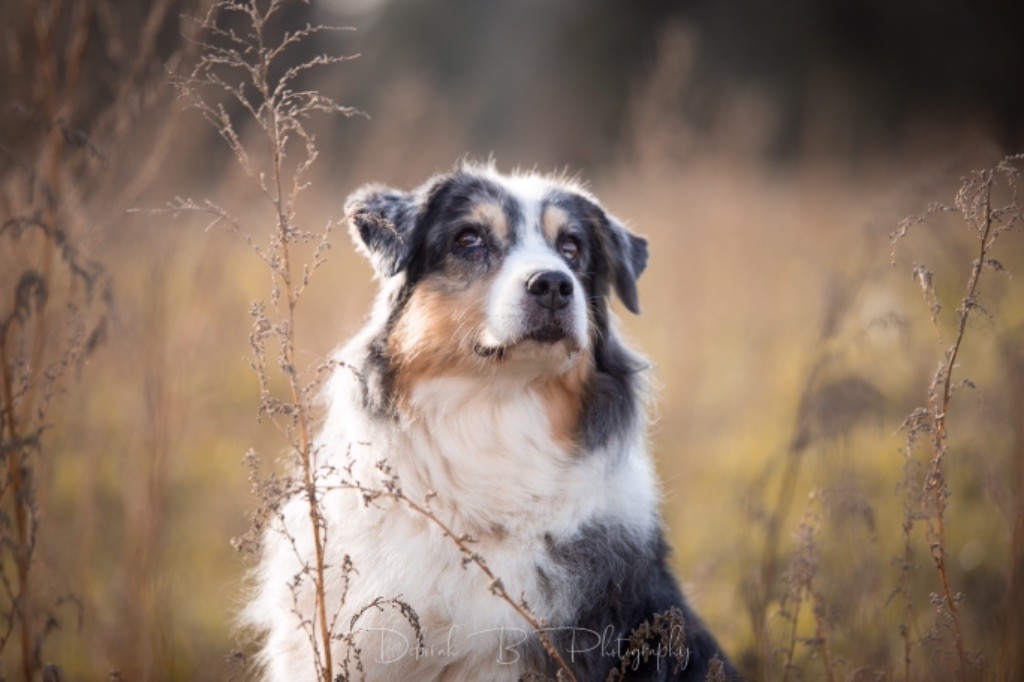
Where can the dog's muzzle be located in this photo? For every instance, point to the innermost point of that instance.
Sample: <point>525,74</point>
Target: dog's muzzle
<point>534,301</point>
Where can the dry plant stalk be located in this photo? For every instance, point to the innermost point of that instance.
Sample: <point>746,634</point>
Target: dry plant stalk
<point>32,361</point>
<point>806,431</point>
<point>55,176</point>
<point>911,505</point>
<point>238,64</point>
<point>1012,655</point>
<point>664,629</point>
<point>800,584</point>
<point>974,204</point>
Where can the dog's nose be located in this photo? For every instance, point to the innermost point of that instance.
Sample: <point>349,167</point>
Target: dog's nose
<point>550,288</point>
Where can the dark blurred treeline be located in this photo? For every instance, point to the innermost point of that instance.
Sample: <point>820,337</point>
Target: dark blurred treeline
<point>562,76</point>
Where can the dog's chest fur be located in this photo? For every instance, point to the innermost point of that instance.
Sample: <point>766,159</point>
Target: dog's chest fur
<point>485,456</point>
<point>490,452</point>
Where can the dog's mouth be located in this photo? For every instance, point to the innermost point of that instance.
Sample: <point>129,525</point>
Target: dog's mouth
<point>490,352</point>
<point>549,333</point>
<point>546,335</point>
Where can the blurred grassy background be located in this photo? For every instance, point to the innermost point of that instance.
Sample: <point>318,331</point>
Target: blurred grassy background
<point>766,153</point>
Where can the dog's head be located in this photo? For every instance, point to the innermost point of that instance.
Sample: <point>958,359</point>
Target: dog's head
<point>495,273</point>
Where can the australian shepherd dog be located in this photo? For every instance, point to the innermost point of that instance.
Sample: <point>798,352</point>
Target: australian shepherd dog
<point>491,383</point>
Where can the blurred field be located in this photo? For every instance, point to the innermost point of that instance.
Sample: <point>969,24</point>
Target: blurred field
<point>781,336</point>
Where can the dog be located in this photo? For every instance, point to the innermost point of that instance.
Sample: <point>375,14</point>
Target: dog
<point>491,385</point>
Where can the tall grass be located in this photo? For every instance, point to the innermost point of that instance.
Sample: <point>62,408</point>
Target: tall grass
<point>66,178</point>
<point>241,59</point>
<point>987,217</point>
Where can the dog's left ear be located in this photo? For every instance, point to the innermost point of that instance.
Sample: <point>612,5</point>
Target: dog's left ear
<point>628,258</point>
<point>381,222</point>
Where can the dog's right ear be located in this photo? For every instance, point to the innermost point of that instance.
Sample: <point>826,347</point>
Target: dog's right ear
<point>381,222</point>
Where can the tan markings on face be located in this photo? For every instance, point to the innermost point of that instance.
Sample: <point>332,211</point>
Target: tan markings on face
<point>563,399</point>
<point>438,330</point>
<point>491,214</point>
<point>552,222</point>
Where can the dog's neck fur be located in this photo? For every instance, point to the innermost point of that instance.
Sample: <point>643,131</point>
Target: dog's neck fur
<point>489,450</point>
<point>490,456</point>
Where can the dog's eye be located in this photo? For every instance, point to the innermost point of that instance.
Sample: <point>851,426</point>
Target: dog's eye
<point>468,239</point>
<point>570,249</point>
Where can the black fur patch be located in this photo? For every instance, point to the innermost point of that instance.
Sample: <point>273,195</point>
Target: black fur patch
<point>443,216</point>
<point>620,254</point>
<point>384,220</point>
<point>611,401</point>
<point>621,582</point>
